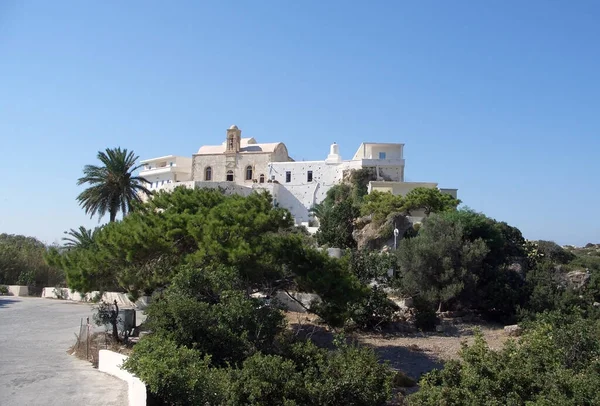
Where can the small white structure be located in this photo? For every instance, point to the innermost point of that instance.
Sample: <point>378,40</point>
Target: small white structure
<point>241,165</point>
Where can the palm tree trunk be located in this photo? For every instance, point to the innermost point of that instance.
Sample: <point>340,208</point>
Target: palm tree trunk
<point>113,216</point>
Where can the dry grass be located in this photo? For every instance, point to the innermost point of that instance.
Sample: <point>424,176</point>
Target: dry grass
<point>89,350</point>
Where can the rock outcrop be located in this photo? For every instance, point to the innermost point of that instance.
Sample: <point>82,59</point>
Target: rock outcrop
<point>513,330</point>
<point>578,279</point>
<point>378,236</point>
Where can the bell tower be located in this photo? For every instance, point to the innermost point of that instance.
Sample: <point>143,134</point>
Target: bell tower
<point>234,140</point>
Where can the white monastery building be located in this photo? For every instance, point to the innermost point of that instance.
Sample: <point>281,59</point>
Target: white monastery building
<point>242,165</point>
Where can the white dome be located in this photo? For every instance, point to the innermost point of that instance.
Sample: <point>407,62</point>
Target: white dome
<point>234,127</point>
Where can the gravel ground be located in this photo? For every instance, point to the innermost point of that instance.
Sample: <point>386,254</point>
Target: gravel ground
<point>412,353</point>
<point>416,354</point>
<point>35,368</point>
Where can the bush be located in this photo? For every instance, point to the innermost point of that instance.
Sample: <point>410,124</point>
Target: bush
<point>547,291</point>
<point>401,380</point>
<point>350,375</point>
<point>373,311</point>
<point>425,314</point>
<point>267,380</point>
<point>553,252</point>
<point>3,290</point>
<point>175,374</point>
<point>555,363</point>
<point>22,262</point>
<point>230,330</point>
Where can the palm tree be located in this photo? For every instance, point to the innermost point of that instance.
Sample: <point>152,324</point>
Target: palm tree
<point>113,187</point>
<point>81,238</point>
<point>321,210</point>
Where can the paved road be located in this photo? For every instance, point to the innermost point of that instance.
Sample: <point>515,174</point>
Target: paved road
<point>35,368</point>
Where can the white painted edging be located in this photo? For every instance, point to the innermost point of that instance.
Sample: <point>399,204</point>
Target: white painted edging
<point>110,362</point>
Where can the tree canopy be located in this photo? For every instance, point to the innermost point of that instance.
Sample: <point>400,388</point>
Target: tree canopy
<point>22,262</point>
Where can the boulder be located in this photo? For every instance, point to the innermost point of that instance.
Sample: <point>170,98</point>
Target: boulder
<point>403,303</point>
<point>513,330</point>
<point>578,279</point>
<point>335,252</point>
<point>377,236</point>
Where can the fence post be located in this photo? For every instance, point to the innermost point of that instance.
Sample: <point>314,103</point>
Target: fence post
<point>80,333</point>
<point>87,347</point>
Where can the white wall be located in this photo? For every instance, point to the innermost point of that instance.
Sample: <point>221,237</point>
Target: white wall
<point>167,169</point>
<point>17,290</point>
<point>121,298</point>
<point>299,195</point>
<point>110,362</point>
<point>372,150</point>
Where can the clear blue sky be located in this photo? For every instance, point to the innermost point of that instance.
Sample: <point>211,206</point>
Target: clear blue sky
<point>500,99</point>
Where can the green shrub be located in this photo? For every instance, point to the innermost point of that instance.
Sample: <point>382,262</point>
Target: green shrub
<point>425,314</point>
<point>267,380</point>
<point>373,311</point>
<point>229,330</point>
<point>555,363</point>
<point>350,375</point>
<point>3,290</point>
<point>401,380</point>
<point>553,252</point>
<point>177,375</point>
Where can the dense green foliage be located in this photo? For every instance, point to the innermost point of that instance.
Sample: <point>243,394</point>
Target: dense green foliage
<point>211,343</point>
<point>200,228</point>
<point>439,265</point>
<point>22,262</point>
<point>336,216</point>
<point>430,200</point>
<point>380,205</point>
<point>555,363</point>
<point>112,186</point>
<point>346,202</point>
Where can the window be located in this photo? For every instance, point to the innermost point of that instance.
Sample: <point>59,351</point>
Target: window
<point>261,179</point>
<point>229,176</point>
<point>382,155</point>
<point>309,176</point>
<point>208,173</point>
<point>248,172</point>
<point>288,177</point>
<point>170,163</point>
